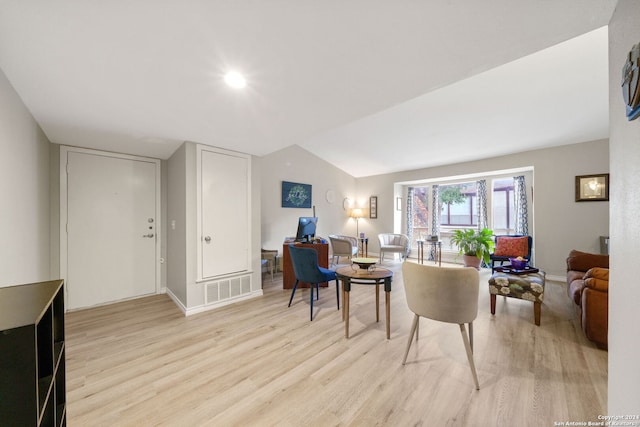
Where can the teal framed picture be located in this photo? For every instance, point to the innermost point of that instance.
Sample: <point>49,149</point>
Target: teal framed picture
<point>296,195</point>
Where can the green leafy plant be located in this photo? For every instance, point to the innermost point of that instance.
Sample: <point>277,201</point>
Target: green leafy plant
<point>474,243</point>
<point>452,195</point>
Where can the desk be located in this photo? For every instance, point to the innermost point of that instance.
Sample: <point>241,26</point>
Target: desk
<point>363,250</point>
<point>349,276</point>
<point>436,250</point>
<point>288,276</point>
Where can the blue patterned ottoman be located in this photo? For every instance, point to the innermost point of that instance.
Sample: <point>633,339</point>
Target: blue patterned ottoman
<point>528,287</point>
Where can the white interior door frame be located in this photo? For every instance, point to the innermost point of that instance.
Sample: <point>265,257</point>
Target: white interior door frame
<point>64,152</point>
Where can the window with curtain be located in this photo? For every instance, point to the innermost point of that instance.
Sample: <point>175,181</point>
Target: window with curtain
<point>503,206</point>
<point>459,205</point>
<point>420,215</point>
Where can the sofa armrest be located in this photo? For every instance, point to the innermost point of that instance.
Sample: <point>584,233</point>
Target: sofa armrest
<point>597,279</point>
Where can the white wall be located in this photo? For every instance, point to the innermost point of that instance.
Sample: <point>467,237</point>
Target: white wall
<point>624,290</point>
<point>295,164</point>
<point>176,219</point>
<point>24,193</point>
<point>561,224</point>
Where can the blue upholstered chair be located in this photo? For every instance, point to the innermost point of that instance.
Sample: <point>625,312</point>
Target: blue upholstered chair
<point>511,246</point>
<point>306,269</point>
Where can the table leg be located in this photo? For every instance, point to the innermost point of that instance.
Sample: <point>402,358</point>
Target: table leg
<point>493,304</point>
<point>536,312</point>
<point>388,309</point>
<point>346,314</point>
<point>440,255</point>
<point>377,302</point>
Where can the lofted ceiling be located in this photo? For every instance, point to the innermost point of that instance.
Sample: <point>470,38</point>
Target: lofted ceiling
<point>371,86</point>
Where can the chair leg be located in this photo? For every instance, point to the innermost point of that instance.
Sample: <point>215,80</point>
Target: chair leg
<point>467,346</point>
<point>311,301</point>
<point>414,326</point>
<point>338,293</point>
<point>293,292</point>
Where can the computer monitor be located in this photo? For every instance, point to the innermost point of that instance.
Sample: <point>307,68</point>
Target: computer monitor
<point>306,228</point>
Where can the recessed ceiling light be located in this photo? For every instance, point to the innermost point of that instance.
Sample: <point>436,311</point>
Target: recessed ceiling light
<point>235,80</point>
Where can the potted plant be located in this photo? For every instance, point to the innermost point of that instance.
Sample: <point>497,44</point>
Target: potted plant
<point>474,245</point>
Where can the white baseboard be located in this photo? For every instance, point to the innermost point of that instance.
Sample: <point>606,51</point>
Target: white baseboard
<point>188,311</point>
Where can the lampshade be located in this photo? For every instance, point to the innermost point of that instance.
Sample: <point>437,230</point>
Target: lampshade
<point>356,213</point>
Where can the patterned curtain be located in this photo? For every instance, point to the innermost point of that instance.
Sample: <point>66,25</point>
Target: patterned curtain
<point>482,204</point>
<point>436,210</point>
<point>410,192</point>
<point>481,189</point>
<point>522,212</point>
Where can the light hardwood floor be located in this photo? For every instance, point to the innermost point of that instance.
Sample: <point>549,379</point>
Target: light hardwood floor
<point>259,363</point>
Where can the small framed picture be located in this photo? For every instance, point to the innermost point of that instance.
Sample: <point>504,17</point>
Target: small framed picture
<point>592,188</point>
<point>373,207</point>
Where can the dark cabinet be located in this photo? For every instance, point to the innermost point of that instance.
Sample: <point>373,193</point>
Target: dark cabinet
<point>32,355</point>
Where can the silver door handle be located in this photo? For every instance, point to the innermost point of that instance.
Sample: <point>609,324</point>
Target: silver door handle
<point>207,239</point>
<point>150,235</point>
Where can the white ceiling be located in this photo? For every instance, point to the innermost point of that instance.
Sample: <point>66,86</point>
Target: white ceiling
<point>372,86</point>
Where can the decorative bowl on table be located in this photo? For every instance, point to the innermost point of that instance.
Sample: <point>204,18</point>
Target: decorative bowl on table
<point>364,263</point>
<point>518,264</point>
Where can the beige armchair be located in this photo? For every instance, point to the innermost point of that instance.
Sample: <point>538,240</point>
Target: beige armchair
<point>343,246</point>
<point>394,244</point>
<point>444,294</point>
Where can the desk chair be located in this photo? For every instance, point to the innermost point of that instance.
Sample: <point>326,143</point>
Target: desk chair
<point>306,269</point>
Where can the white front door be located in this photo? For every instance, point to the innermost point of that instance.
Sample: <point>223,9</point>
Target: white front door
<point>111,227</point>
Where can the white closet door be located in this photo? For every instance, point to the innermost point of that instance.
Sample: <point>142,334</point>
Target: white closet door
<point>224,216</point>
<point>111,228</point>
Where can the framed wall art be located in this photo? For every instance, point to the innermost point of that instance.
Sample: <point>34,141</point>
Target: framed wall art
<point>592,188</point>
<point>373,207</point>
<point>296,195</point>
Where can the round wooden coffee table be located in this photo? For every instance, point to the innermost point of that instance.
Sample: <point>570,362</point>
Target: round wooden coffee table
<point>360,276</point>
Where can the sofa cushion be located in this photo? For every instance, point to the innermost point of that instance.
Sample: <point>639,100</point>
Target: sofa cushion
<point>512,246</point>
<point>597,278</point>
<point>392,248</point>
<point>583,261</point>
